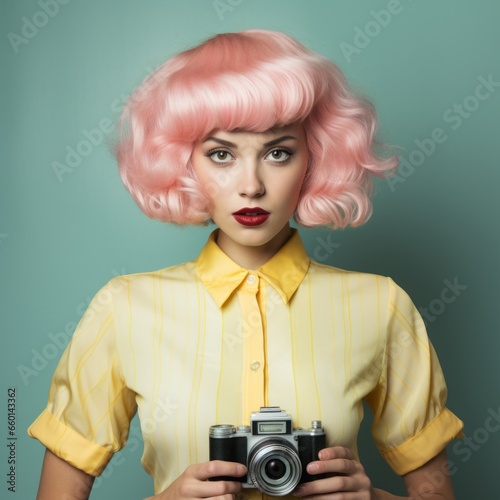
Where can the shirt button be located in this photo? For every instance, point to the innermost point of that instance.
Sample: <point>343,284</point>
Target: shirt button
<point>251,279</point>
<point>255,366</point>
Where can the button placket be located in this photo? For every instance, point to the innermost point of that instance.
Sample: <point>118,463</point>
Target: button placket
<point>255,366</point>
<point>254,348</point>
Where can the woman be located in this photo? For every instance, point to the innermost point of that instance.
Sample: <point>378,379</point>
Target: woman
<point>247,130</point>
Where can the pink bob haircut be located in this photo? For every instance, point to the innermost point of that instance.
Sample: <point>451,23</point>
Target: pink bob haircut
<point>252,80</point>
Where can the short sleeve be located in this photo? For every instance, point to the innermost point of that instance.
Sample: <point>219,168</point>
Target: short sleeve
<point>411,422</point>
<point>89,408</point>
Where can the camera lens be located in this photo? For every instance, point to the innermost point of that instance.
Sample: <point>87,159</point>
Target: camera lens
<point>275,469</point>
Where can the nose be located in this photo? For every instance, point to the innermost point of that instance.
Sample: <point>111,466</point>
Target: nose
<point>251,184</point>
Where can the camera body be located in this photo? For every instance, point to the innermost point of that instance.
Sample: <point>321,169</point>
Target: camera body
<point>275,454</point>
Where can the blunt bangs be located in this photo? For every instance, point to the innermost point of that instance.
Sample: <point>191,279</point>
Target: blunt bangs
<point>271,94</point>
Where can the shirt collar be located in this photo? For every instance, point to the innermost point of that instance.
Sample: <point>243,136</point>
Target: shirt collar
<point>222,276</point>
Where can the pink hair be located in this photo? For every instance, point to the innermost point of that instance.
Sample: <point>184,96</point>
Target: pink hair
<point>253,80</point>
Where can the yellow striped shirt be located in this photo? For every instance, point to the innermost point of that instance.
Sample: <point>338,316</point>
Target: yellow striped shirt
<point>208,342</point>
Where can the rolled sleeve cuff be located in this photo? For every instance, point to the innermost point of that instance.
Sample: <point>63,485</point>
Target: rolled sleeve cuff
<point>431,440</point>
<point>69,445</point>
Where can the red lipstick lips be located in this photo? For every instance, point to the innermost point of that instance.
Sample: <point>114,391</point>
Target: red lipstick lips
<point>254,216</point>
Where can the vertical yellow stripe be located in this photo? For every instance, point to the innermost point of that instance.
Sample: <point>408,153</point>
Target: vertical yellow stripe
<point>200,362</point>
<point>349,322</point>
<point>340,437</point>
<point>361,315</point>
<point>192,442</point>
<point>311,338</point>
<point>262,302</point>
<point>159,344</point>
<point>359,340</point>
<point>180,378</point>
<point>246,355</point>
<point>381,349</point>
<point>154,392</point>
<point>293,360</point>
<point>130,321</point>
<point>222,356</point>
<point>344,333</point>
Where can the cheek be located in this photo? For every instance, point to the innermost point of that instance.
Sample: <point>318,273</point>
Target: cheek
<point>214,183</point>
<point>294,189</point>
<point>217,184</point>
<point>289,196</point>
<point>293,186</point>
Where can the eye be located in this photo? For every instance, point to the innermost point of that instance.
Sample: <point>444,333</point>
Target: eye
<point>219,155</point>
<point>279,155</point>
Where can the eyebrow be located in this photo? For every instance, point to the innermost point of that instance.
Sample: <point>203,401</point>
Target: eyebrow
<point>233,145</point>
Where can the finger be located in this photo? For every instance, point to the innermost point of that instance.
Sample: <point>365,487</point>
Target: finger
<point>330,485</point>
<point>194,482</point>
<point>216,468</point>
<point>216,489</point>
<point>336,466</point>
<point>336,452</point>
<point>342,495</point>
<point>190,487</point>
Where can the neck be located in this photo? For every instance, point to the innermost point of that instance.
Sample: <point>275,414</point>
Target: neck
<point>253,257</point>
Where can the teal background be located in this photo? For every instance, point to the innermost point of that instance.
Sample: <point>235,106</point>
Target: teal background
<point>60,241</point>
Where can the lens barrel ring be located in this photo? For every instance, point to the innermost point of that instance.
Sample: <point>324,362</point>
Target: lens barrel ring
<point>258,466</point>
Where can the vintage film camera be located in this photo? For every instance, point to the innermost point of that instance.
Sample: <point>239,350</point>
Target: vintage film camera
<point>275,454</point>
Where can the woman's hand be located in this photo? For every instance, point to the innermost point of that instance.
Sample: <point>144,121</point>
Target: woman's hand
<point>193,482</point>
<point>351,481</point>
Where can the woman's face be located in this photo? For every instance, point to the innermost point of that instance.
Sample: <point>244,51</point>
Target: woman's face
<point>253,181</point>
